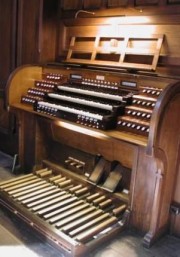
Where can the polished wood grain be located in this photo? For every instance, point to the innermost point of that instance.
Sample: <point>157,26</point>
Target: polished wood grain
<point>152,159</point>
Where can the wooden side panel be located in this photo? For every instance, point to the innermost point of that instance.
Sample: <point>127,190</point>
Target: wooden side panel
<point>20,80</point>
<point>175,219</point>
<point>27,138</point>
<point>144,191</point>
<point>166,149</point>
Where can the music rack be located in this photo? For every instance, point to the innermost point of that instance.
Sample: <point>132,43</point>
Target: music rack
<point>120,51</point>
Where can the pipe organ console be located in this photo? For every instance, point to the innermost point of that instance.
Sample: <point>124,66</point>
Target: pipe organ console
<point>98,151</point>
<point>91,103</point>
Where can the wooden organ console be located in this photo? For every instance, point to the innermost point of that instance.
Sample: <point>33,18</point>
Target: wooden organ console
<point>98,149</point>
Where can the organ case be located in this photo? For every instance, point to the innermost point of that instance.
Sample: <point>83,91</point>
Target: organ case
<point>100,145</point>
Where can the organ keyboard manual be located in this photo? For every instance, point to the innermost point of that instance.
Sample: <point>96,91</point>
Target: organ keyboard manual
<point>97,146</point>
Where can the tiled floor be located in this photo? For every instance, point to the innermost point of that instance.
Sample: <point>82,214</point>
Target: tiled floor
<point>16,239</point>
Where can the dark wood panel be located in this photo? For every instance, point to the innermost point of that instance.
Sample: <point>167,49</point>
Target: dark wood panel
<point>36,31</point>
<point>7,62</point>
<point>71,4</point>
<point>145,2</point>
<point>29,30</point>
<point>116,3</point>
<point>95,145</point>
<point>173,1</point>
<point>92,4</point>
<point>49,31</point>
<point>7,35</point>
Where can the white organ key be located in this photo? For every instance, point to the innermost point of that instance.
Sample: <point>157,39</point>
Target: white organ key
<point>92,93</point>
<point>70,110</point>
<point>81,101</point>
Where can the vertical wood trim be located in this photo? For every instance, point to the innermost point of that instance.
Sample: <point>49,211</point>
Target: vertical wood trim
<point>14,35</point>
<point>40,30</point>
<point>19,32</point>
